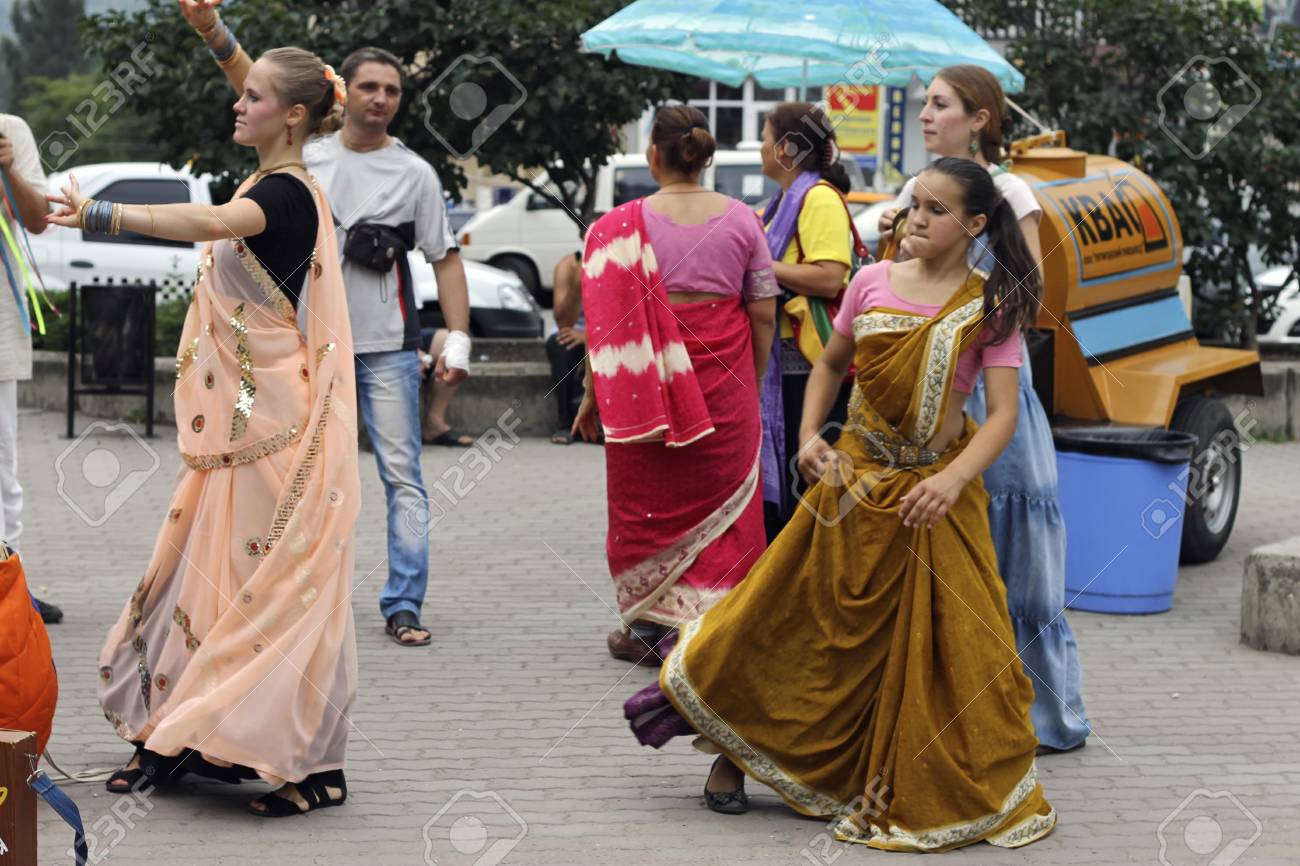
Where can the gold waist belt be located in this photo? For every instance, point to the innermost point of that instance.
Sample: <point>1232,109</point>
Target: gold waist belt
<point>896,451</point>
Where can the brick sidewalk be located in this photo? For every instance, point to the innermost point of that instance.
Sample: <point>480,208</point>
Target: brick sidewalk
<point>514,715</point>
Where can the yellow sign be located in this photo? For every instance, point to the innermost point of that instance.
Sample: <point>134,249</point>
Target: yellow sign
<point>855,114</point>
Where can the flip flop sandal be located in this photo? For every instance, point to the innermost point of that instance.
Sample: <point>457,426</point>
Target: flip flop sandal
<point>561,437</point>
<point>403,623</point>
<point>449,438</point>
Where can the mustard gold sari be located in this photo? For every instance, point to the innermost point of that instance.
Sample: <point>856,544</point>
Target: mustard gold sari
<point>866,670</point>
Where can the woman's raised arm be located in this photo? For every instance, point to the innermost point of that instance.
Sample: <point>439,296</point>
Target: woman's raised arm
<point>202,15</point>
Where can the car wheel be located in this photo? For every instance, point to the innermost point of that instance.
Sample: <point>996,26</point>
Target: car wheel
<point>1214,479</point>
<point>527,274</point>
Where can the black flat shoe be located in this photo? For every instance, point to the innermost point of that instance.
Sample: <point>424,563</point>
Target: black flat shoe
<point>50,614</point>
<point>192,762</point>
<point>314,789</point>
<point>155,770</point>
<point>726,802</point>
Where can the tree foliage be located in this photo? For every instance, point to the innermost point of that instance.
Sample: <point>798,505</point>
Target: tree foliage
<point>44,43</point>
<point>1124,78</point>
<point>565,107</point>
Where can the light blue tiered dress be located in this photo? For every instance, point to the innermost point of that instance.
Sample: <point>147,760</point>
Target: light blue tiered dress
<point>1029,533</point>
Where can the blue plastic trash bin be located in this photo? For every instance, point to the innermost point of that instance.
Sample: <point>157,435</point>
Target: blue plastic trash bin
<point>1122,493</point>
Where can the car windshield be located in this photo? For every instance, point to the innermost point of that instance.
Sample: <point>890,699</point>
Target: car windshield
<point>632,183</point>
<point>745,182</point>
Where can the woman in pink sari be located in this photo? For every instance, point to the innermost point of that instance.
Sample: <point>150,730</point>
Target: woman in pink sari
<point>680,304</point>
<point>235,657</point>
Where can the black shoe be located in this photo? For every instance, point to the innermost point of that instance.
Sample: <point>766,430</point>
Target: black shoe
<point>155,770</point>
<point>726,802</point>
<point>49,613</point>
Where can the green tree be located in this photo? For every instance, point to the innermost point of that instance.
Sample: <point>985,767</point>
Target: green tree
<point>572,103</point>
<point>55,105</point>
<point>44,43</point>
<point>1124,78</point>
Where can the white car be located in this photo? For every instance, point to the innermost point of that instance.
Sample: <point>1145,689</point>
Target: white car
<point>1281,324</point>
<point>499,306</point>
<point>530,233</point>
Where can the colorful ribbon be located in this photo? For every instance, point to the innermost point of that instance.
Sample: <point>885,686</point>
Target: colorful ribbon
<point>11,243</point>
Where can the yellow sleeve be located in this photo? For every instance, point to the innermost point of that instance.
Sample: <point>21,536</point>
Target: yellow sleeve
<point>824,229</point>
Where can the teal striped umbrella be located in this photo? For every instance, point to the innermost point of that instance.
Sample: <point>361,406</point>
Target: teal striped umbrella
<point>811,43</point>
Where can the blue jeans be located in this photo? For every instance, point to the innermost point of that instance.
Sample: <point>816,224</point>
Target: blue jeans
<point>388,395</point>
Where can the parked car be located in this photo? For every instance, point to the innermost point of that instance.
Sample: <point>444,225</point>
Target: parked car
<point>498,306</point>
<point>530,233</point>
<point>1281,322</point>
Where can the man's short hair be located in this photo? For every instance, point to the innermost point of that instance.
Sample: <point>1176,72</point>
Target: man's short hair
<point>369,54</point>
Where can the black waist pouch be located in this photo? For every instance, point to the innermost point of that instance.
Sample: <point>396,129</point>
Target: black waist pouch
<point>376,246</point>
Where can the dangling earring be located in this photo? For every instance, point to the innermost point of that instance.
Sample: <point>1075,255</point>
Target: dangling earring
<point>291,136</point>
<point>974,143</point>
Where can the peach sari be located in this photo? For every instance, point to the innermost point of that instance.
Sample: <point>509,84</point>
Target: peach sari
<point>238,642</point>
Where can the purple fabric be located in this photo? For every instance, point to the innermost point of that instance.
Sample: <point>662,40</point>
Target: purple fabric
<point>782,219</point>
<point>654,721</point>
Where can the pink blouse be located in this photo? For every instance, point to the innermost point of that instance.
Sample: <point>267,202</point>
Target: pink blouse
<point>726,255</point>
<point>870,289</point>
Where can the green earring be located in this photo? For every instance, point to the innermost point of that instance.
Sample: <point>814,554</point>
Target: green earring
<point>974,144</point>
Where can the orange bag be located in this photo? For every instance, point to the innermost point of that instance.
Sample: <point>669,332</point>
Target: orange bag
<point>29,688</point>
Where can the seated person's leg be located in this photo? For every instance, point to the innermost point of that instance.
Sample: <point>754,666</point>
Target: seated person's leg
<point>436,429</point>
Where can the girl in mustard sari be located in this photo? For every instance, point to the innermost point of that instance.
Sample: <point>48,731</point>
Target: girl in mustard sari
<point>235,657</point>
<point>866,668</point>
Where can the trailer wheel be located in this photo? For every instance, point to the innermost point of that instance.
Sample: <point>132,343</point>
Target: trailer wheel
<point>1214,479</point>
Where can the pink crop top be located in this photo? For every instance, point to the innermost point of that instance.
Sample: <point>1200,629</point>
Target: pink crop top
<point>871,289</point>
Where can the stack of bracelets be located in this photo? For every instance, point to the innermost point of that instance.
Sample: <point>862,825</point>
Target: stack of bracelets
<point>220,32</point>
<point>100,217</point>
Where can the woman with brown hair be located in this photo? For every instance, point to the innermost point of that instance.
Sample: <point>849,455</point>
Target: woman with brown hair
<point>963,117</point>
<point>235,657</point>
<point>678,294</point>
<point>810,236</point>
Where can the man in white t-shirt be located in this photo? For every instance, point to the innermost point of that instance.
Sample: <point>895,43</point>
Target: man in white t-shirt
<point>21,164</point>
<point>372,178</point>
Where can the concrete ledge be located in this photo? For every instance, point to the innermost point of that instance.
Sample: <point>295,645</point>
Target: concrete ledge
<point>515,374</point>
<point>1270,598</point>
<point>506,375</point>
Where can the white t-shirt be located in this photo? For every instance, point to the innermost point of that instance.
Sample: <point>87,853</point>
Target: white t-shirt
<point>15,338</point>
<point>391,186</point>
<point>1013,188</point>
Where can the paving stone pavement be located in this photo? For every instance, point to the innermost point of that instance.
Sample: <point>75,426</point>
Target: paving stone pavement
<point>513,716</point>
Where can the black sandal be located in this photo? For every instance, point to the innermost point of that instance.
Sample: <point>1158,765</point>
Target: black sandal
<point>314,789</point>
<point>403,623</point>
<point>726,802</point>
<point>193,762</point>
<point>154,770</point>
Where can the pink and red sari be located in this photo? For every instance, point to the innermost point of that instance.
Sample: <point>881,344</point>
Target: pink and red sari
<point>676,392</point>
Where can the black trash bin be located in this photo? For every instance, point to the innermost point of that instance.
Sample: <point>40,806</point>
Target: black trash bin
<point>111,344</point>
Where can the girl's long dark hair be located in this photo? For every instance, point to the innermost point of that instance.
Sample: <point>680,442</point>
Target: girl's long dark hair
<point>1014,287</point>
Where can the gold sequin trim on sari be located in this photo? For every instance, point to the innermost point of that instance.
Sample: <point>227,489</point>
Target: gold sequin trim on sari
<point>941,356</point>
<point>256,451</point>
<point>877,322</point>
<point>140,646</point>
<point>274,296</point>
<point>182,619</point>
<point>247,384</point>
<point>286,508</point>
<point>954,835</point>
<point>322,351</point>
<point>186,359</point>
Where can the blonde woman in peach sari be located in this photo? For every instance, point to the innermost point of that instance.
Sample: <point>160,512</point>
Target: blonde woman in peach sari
<point>235,657</point>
